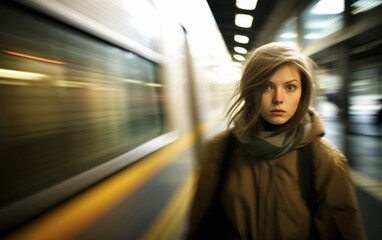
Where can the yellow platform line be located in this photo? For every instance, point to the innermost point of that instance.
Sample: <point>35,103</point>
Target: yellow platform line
<point>73,217</point>
<point>369,184</point>
<point>173,215</point>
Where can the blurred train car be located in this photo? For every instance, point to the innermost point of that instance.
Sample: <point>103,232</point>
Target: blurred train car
<point>103,105</point>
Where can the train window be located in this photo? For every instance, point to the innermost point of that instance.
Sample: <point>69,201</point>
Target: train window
<point>68,102</point>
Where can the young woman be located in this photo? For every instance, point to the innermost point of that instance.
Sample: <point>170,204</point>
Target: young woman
<point>265,193</point>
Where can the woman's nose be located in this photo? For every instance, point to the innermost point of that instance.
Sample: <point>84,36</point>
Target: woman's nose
<point>278,98</point>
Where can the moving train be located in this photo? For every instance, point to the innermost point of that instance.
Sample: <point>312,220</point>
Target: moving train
<point>103,108</point>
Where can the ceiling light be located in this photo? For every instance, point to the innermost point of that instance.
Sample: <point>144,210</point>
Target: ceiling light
<point>241,39</point>
<point>328,7</point>
<point>246,4</point>
<point>313,36</point>
<point>243,20</point>
<point>240,50</point>
<point>363,6</point>
<point>288,35</point>
<point>238,57</point>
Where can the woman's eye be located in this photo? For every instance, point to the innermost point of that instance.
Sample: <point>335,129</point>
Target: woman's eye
<point>267,87</point>
<point>291,87</point>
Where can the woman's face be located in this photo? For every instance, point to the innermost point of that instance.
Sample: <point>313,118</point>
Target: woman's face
<point>281,95</point>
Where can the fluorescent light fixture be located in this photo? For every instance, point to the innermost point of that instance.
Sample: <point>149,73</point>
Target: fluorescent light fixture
<point>363,6</point>
<point>288,35</point>
<point>313,36</point>
<point>246,4</point>
<point>326,7</point>
<point>241,39</point>
<point>243,20</point>
<point>238,57</point>
<point>240,50</point>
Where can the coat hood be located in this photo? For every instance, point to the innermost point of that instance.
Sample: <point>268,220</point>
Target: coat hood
<point>316,131</point>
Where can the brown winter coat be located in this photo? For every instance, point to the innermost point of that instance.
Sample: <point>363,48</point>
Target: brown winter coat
<point>263,200</point>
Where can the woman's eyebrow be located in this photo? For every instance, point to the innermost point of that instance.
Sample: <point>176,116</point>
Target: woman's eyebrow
<point>293,80</point>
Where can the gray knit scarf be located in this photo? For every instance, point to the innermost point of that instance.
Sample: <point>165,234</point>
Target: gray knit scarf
<point>269,144</point>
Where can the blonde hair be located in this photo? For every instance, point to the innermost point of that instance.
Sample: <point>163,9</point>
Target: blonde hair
<point>260,66</point>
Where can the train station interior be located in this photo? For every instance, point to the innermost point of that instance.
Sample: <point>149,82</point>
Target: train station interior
<point>105,106</point>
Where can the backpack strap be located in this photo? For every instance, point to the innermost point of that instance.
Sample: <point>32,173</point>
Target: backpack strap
<point>306,181</point>
<point>229,146</point>
<point>305,171</point>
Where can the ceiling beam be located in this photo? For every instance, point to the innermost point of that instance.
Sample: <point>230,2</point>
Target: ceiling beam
<point>284,10</point>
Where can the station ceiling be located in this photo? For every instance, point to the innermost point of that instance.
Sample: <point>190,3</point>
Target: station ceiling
<point>224,12</point>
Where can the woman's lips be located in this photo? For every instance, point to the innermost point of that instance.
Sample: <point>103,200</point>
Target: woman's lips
<point>277,111</point>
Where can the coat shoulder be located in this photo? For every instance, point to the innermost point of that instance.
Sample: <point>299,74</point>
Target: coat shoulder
<point>329,159</point>
<point>218,139</point>
<point>214,147</point>
<point>327,150</point>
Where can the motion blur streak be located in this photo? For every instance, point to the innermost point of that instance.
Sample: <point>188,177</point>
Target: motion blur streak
<point>371,185</point>
<point>34,57</point>
<point>172,215</point>
<point>6,73</point>
<point>72,218</point>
